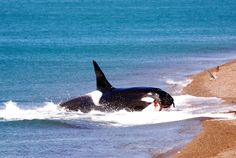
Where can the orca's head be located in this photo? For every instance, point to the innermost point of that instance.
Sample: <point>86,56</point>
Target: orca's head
<point>164,99</point>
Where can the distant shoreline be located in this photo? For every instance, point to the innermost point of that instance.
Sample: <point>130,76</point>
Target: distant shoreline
<point>218,138</point>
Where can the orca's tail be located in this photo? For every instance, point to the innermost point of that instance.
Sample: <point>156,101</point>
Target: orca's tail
<point>102,82</point>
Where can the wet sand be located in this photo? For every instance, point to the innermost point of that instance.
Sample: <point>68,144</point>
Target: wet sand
<point>218,138</point>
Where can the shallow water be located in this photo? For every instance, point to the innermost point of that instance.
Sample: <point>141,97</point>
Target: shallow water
<point>46,49</point>
<point>73,139</point>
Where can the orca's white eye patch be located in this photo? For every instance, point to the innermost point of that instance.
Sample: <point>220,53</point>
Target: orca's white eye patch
<point>147,99</point>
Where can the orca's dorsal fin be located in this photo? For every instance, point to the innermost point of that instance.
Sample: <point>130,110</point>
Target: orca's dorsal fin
<point>102,83</point>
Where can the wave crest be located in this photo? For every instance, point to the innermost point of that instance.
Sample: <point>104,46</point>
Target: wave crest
<point>187,107</point>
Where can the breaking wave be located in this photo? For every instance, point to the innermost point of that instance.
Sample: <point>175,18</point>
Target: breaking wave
<point>187,107</point>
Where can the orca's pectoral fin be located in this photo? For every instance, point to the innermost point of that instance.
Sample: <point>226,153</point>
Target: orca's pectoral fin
<point>102,82</point>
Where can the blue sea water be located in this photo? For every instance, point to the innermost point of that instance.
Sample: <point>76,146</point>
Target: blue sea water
<point>46,50</point>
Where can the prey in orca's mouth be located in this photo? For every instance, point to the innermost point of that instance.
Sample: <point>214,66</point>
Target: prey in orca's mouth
<point>109,98</point>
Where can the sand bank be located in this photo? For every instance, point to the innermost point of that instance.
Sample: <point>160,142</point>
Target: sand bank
<point>218,138</point>
<point>216,82</point>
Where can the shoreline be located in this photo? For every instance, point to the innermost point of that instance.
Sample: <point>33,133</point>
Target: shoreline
<point>176,150</point>
<point>217,138</point>
<point>219,81</point>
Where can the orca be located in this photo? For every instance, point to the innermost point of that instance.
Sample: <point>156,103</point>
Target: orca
<point>108,98</point>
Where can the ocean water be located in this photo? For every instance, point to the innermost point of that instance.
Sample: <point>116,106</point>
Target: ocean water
<point>46,53</point>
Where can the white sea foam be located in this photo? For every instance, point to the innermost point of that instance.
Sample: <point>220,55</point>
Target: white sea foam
<point>12,112</point>
<point>186,107</point>
<point>180,83</point>
<point>177,86</point>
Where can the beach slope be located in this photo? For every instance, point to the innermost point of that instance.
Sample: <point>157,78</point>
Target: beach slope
<point>216,82</point>
<point>218,138</point>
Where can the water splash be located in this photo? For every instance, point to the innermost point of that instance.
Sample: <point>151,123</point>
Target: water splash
<point>187,107</point>
<point>12,111</point>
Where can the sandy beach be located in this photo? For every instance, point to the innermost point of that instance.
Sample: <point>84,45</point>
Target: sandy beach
<point>218,138</point>
<point>218,82</point>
